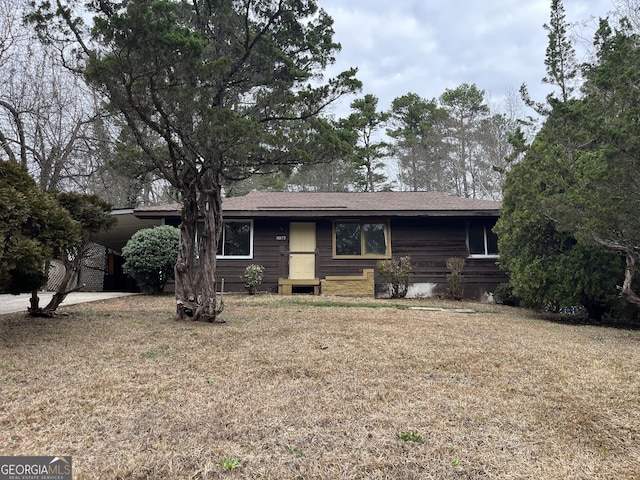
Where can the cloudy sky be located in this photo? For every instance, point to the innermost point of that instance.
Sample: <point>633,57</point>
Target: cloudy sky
<point>427,46</point>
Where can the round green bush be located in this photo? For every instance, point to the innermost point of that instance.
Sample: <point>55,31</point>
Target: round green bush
<point>150,257</point>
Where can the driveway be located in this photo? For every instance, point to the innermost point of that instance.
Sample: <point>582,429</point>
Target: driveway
<point>20,303</point>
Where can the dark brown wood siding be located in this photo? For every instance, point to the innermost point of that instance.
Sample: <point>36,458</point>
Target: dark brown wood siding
<point>266,252</point>
<point>428,241</point>
<point>431,241</point>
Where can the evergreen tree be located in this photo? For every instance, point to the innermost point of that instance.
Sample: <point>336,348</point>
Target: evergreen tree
<point>570,207</point>
<point>603,205</point>
<point>560,59</point>
<point>93,215</point>
<point>212,92</point>
<point>34,230</point>
<point>417,126</point>
<point>547,266</point>
<point>367,124</point>
<point>466,108</point>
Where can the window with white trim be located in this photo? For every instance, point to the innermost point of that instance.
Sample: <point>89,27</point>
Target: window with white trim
<point>481,240</point>
<point>236,240</point>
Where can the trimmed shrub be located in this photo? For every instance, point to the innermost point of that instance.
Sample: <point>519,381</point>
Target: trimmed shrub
<point>455,287</point>
<point>253,278</point>
<point>150,257</point>
<point>398,274</point>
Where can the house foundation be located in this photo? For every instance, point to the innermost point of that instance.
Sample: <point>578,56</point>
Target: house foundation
<point>350,285</point>
<point>289,287</point>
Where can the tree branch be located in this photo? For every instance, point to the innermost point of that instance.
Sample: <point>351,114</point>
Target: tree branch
<point>20,127</point>
<point>626,291</point>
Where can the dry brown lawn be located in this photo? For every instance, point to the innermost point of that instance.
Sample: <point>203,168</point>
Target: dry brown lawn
<point>320,388</point>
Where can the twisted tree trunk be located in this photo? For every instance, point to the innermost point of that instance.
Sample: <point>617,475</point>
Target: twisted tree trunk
<point>195,280</point>
<point>631,257</point>
<point>66,287</point>
<point>627,291</point>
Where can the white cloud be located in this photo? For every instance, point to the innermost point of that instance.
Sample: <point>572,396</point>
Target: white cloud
<point>426,47</point>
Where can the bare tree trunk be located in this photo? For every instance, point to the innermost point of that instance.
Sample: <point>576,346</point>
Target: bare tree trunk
<point>34,302</point>
<point>65,288</point>
<point>626,291</point>
<point>185,294</point>
<point>17,119</point>
<point>208,249</point>
<point>195,281</point>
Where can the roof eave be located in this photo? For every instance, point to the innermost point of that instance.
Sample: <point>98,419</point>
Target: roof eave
<point>156,213</point>
<point>359,213</point>
<point>146,214</point>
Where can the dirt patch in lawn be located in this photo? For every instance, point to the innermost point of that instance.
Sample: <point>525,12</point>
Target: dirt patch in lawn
<point>320,388</point>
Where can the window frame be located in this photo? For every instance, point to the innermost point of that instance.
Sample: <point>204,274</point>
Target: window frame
<point>361,222</point>
<point>485,228</point>
<point>222,242</point>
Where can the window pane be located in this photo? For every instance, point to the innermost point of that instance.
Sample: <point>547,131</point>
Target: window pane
<point>374,239</point>
<point>476,239</point>
<point>347,239</point>
<point>237,239</point>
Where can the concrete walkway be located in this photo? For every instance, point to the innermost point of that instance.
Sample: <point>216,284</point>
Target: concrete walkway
<point>20,303</point>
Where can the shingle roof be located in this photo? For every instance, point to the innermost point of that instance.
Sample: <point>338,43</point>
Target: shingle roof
<point>344,204</point>
<point>361,202</point>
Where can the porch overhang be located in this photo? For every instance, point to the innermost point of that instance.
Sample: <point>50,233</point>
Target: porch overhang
<point>127,223</point>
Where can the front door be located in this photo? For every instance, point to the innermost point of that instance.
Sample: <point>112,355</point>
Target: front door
<point>302,250</point>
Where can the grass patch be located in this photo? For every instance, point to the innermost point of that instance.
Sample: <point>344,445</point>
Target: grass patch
<point>290,389</point>
<point>229,463</point>
<point>341,304</point>
<point>410,436</point>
